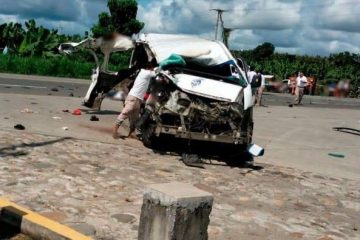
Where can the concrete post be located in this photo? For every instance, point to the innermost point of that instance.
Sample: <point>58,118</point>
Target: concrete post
<point>175,211</point>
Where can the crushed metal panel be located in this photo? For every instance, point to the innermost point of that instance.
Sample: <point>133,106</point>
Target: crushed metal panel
<point>116,43</point>
<point>206,51</point>
<point>208,87</point>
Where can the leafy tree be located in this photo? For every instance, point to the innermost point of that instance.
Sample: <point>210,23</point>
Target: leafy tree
<point>11,35</point>
<point>122,19</point>
<point>104,26</point>
<point>38,41</point>
<point>327,70</point>
<point>265,50</point>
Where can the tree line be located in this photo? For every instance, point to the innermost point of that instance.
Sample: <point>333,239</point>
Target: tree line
<point>326,69</point>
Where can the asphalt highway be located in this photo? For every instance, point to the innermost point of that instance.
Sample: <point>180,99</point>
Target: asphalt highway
<point>33,85</point>
<point>43,87</point>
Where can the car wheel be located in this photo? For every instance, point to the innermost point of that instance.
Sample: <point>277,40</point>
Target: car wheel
<point>148,136</point>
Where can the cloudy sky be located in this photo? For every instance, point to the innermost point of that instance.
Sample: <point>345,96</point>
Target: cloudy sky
<point>295,26</point>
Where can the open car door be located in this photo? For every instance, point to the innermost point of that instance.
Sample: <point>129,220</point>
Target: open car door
<point>102,80</point>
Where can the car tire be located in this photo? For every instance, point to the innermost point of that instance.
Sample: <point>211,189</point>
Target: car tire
<point>148,136</point>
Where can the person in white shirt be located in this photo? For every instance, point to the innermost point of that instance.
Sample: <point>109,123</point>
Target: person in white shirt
<point>260,90</point>
<point>251,75</point>
<point>301,83</point>
<point>134,99</point>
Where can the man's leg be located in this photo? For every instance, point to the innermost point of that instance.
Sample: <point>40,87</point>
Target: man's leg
<point>134,116</point>
<point>297,95</point>
<point>301,94</point>
<point>125,113</point>
<point>260,92</point>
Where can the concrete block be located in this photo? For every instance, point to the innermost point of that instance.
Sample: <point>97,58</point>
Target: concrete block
<point>175,211</point>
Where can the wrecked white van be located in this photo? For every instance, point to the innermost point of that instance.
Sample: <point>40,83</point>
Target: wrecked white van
<point>202,92</point>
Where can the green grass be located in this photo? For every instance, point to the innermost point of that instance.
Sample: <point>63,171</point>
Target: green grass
<point>58,67</point>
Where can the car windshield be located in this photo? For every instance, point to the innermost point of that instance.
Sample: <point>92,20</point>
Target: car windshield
<point>226,72</point>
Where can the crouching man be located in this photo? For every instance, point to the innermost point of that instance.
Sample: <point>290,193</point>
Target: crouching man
<point>134,99</point>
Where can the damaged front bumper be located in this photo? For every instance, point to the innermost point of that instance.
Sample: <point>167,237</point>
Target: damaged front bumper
<point>178,132</point>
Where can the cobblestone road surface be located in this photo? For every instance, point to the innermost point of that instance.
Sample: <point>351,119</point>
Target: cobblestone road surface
<point>97,189</point>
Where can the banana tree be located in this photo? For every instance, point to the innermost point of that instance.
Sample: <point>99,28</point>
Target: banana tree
<point>11,35</point>
<point>38,41</point>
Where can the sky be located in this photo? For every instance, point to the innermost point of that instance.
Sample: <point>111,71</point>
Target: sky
<point>313,27</point>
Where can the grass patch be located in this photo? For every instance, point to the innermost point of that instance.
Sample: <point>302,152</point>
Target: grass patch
<point>57,67</point>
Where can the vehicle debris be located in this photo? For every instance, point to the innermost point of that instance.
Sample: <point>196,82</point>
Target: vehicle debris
<point>56,118</point>
<point>338,155</point>
<point>76,112</point>
<point>54,89</point>
<point>256,150</point>
<point>71,94</point>
<point>65,128</point>
<point>352,131</point>
<point>19,127</point>
<point>27,110</point>
<point>94,118</point>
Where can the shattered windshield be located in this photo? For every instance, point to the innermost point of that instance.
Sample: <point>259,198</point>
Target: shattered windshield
<point>227,71</point>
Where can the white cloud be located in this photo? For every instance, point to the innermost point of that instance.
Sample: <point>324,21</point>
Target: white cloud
<point>297,26</point>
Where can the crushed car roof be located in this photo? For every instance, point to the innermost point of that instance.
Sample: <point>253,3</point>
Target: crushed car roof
<point>206,52</point>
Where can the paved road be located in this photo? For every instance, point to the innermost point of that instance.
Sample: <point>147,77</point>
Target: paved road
<point>297,191</point>
<point>279,99</point>
<point>34,85</point>
<point>299,137</point>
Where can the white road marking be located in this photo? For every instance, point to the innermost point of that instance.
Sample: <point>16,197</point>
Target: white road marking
<point>22,86</point>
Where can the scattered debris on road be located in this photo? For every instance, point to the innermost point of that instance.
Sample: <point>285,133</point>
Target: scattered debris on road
<point>19,127</point>
<point>77,112</point>
<point>66,110</point>
<point>71,95</point>
<point>338,155</point>
<point>54,89</point>
<point>94,118</point>
<point>27,110</point>
<point>352,131</point>
<point>56,118</point>
<point>65,128</point>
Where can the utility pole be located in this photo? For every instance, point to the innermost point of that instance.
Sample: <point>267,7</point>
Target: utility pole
<point>219,20</point>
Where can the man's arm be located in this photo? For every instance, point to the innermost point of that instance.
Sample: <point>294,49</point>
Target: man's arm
<point>304,80</point>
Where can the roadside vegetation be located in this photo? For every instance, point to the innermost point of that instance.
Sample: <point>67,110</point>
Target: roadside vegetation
<point>32,49</point>
<point>328,70</point>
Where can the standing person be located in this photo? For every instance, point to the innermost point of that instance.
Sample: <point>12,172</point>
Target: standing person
<point>134,99</point>
<point>251,74</point>
<point>310,85</point>
<point>301,82</point>
<point>293,83</point>
<point>260,90</point>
